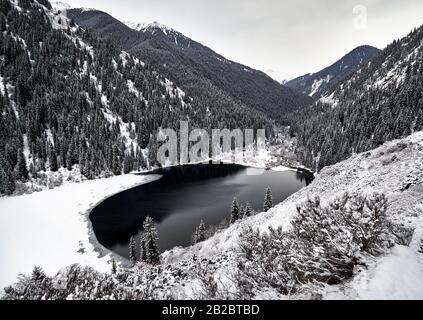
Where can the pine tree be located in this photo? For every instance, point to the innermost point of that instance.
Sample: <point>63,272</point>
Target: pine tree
<point>150,238</point>
<point>53,160</point>
<point>248,211</point>
<point>201,232</point>
<point>127,164</point>
<point>7,182</point>
<point>235,211</point>
<point>22,168</point>
<point>194,237</point>
<point>143,253</point>
<point>268,200</point>
<point>132,251</point>
<point>241,211</point>
<point>114,267</point>
<point>116,165</point>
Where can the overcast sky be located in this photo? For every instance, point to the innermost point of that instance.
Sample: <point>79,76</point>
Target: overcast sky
<point>286,36</point>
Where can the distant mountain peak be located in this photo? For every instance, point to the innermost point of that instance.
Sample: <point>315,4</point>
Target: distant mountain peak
<point>59,5</point>
<point>63,6</point>
<point>151,27</point>
<point>318,84</point>
<point>279,76</point>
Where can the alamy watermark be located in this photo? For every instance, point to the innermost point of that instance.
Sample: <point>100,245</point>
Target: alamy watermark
<point>199,145</point>
<point>360,13</point>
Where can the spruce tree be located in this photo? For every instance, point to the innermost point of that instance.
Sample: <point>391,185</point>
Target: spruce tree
<point>268,200</point>
<point>235,211</point>
<point>132,251</point>
<point>241,211</point>
<point>143,253</point>
<point>152,253</point>
<point>7,181</point>
<point>194,237</point>
<point>53,161</point>
<point>114,267</point>
<point>201,233</point>
<point>22,168</point>
<point>248,211</point>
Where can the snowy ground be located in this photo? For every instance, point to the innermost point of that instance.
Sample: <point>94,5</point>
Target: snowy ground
<point>51,228</point>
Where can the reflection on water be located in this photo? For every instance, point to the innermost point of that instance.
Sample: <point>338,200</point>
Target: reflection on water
<point>183,197</point>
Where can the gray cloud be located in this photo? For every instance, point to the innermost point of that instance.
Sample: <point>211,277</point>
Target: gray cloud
<point>289,36</point>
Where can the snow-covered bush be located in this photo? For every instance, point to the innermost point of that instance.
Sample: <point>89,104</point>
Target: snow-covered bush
<point>80,283</point>
<point>324,245</point>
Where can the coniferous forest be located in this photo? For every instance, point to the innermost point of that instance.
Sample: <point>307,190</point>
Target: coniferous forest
<point>70,98</point>
<point>381,102</point>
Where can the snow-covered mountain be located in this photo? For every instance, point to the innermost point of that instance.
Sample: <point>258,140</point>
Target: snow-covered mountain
<point>63,6</point>
<point>59,5</point>
<point>150,27</point>
<point>381,101</point>
<point>317,84</point>
<point>197,68</point>
<point>111,102</point>
<point>279,76</point>
<point>158,29</point>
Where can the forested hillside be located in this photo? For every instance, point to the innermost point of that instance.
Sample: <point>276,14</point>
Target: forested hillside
<point>200,71</point>
<point>72,101</point>
<point>380,102</point>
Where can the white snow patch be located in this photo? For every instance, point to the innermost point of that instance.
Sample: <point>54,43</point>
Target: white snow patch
<point>282,169</point>
<point>2,86</point>
<point>318,83</point>
<point>51,228</point>
<point>50,136</point>
<point>26,150</point>
<point>133,89</point>
<point>62,6</point>
<point>124,56</point>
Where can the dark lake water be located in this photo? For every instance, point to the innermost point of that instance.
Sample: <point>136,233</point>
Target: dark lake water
<point>182,197</point>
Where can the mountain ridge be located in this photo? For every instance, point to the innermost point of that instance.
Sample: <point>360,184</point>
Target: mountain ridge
<point>195,66</point>
<point>317,84</point>
<point>74,105</point>
<point>381,101</point>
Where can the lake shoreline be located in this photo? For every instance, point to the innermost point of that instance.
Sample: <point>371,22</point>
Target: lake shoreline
<point>111,236</point>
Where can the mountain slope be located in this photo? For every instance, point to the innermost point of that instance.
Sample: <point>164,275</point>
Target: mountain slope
<point>73,103</point>
<point>195,67</point>
<point>382,101</point>
<point>317,84</point>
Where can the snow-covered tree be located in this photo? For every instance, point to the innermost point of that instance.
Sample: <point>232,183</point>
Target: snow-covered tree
<point>235,211</point>
<point>194,237</point>
<point>7,180</point>
<point>114,266</point>
<point>248,212</point>
<point>150,237</point>
<point>143,253</point>
<point>324,245</point>
<point>53,160</point>
<point>132,251</point>
<point>199,233</point>
<point>241,211</point>
<point>22,167</point>
<point>268,200</point>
